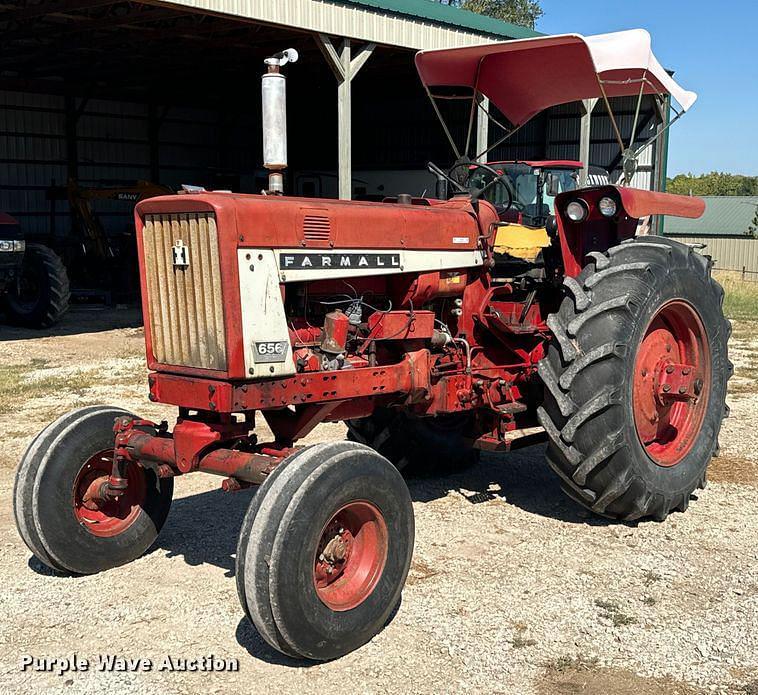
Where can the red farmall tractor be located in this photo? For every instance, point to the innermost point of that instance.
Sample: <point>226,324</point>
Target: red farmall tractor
<point>403,319</point>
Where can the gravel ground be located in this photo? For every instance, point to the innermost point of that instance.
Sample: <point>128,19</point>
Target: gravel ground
<point>513,588</point>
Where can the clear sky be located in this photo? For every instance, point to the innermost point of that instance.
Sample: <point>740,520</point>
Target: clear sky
<point>713,49</point>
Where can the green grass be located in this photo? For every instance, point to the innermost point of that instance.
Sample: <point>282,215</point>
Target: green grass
<point>16,384</point>
<point>741,297</point>
<point>612,611</point>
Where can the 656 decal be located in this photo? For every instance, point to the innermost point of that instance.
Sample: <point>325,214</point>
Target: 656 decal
<point>270,351</point>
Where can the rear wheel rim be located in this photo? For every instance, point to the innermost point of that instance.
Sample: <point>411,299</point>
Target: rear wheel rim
<point>107,517</point>
<point>350,556</point>
<point>672,374</point>
<point>29,294</point>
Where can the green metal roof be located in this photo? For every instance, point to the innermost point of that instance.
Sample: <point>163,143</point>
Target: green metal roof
<point>453,16</point>
<point>725,215</point>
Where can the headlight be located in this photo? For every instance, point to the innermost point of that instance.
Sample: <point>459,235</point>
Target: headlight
<point>9,245</point>
<point>576,211</point>
<point>607,206</point>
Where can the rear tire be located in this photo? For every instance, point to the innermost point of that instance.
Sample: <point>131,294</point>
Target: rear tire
<point>61,530</point>
<point>417,445</point>
<point>339,490</point>
<point>45,293</point>
<point>618,444</point>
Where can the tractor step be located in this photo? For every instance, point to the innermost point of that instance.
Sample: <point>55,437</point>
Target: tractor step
<point>513,439</point>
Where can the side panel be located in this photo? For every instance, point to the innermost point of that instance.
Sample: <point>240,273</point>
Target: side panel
<point>268,352</point>
<point>296,265</point>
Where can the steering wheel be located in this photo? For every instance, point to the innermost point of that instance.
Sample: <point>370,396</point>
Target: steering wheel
<point>499,179</point>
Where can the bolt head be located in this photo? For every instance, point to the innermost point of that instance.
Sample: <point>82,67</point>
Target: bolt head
<point>667,387</point>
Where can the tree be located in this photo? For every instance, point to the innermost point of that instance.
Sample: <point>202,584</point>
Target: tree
<point>522,12</point>
<point>752,229</point>
<point>715,183</point>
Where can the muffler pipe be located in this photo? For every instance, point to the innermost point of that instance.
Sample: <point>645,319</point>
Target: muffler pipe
<point>274,118</point>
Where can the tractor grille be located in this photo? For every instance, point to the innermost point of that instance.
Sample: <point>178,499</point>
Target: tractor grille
<point>185,302</point>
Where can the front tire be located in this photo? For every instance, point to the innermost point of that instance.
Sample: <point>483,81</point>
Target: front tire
<point>56,515</point>
<point>325,549</point>
<point>622,441</point>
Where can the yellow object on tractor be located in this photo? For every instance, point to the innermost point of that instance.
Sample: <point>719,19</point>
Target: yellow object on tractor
<point>525,203</point>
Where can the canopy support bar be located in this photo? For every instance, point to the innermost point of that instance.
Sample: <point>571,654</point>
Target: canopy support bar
<point>482,127</point>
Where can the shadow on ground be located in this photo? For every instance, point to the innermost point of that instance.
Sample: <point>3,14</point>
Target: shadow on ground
<point>204,527</point>
<point>78,320</point>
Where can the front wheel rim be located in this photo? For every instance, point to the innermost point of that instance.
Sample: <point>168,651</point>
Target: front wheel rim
<point>350,556</point>
<point>671,384</point>
<point>101,516</point>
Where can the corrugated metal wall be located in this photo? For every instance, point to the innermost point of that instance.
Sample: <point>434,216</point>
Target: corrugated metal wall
<point>32,154</point>
<point>353,21</point>
<point>113,148</point>
<point>728,252</point>
<point>556,136</point>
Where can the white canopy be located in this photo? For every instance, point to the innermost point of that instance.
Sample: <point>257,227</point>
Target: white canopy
<point>527,76</point>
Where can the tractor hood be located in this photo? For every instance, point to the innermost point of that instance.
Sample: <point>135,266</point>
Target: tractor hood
<point>527,76</point>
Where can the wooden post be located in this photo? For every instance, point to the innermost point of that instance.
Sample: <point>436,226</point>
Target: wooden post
<point>345,67</point>
<point>585,134</point>
<point>72,150</point>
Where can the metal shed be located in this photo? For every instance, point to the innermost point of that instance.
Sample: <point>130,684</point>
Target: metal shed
<point>106,91</point>
<point>725,229</point>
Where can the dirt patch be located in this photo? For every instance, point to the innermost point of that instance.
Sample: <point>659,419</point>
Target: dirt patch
<point>584,677</point>
<point>734,469</point>
<point>497,589</point>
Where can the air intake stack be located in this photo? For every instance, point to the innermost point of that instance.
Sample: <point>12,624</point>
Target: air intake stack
<point>274,102</point>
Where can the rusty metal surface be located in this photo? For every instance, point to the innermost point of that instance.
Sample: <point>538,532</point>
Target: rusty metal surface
<point>185,303</point>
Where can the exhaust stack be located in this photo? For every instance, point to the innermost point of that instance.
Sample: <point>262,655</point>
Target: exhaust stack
<point>274,117</point>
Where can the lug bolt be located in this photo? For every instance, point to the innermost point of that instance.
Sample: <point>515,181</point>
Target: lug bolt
<point>682,389</point>
<point>667,387</point>
<point>686,370</point>
<point>669,370</point>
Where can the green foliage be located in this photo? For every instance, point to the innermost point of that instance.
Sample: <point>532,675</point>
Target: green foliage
<point>715,183</point>
<point>740,297</point>
<point>522,12</point>
<point>752,229</point>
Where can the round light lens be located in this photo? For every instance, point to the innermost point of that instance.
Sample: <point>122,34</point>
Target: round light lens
<point>576,211</point>
<point>607,206</point>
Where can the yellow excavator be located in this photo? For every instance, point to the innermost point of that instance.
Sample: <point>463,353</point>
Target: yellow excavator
<point>87,226</point>
<point>78,261</point>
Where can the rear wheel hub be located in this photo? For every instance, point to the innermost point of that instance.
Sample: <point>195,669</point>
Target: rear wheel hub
<point>670,387</point>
